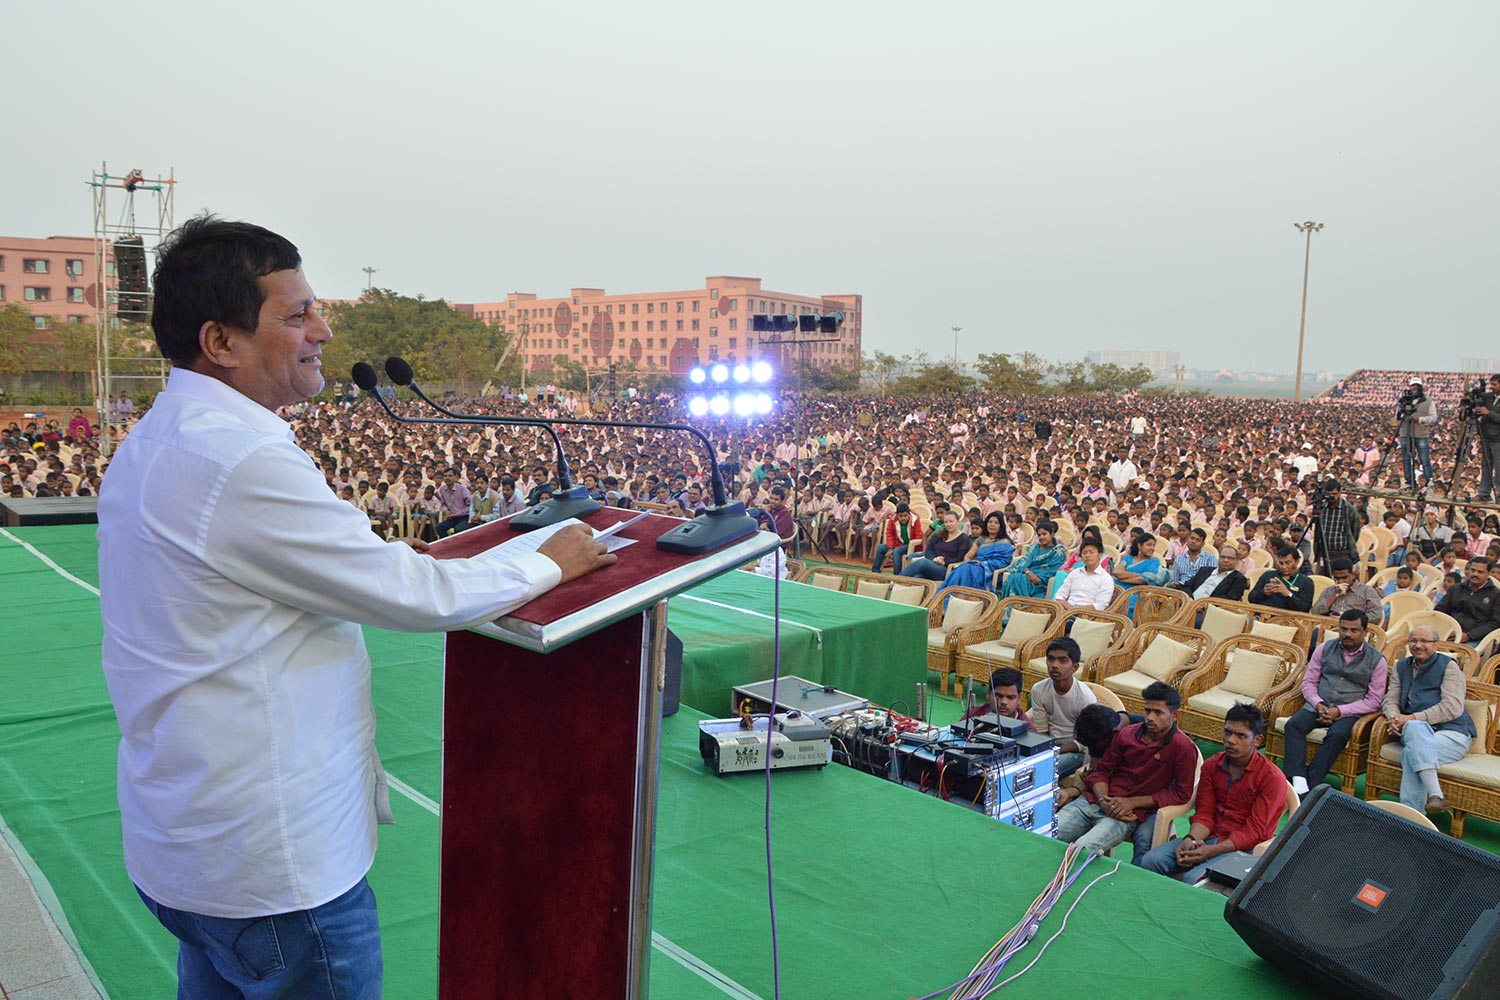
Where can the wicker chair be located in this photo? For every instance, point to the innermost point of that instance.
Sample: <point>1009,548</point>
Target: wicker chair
<point>985,649</point>
<point>1284,701</point>
<point>945,640</point>
<point>1196,615</point>
<point>1116,669</point>
<point>1489,670</point>
<point>1205,696</point>
<point>1471,785</point>
<point>827,577</point>
<point>1032,653</point>
<point>1152,605</point>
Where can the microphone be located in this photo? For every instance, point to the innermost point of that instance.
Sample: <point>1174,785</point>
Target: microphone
<point>570,501</point>
<point>576,503</point>
<point>720,524</point>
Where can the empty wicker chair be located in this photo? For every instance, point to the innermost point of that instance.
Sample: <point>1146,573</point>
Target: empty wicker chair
<point>1254,670</point>
<point>1017,620</point>
<point>953,615</point>
<point>1128,670</point>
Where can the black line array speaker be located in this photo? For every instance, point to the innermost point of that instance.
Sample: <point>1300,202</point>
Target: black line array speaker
<point>1365,904</point>
<point>130,268</point>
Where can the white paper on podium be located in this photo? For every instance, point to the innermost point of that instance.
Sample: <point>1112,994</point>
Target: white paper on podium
<point>530,541</point>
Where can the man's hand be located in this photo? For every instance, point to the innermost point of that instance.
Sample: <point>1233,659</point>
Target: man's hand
<point>1191,853</point>
<point>576,552</point>
<point>1397,722</point>
<point>1327,714</point>
<point>415,543</point>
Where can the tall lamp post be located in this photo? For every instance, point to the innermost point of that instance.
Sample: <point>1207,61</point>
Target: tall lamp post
<point>1309,227</point>
<point>369,276</point>
<point>955,330</point>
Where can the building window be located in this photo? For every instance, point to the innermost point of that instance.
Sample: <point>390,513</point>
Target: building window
<point>695,341</point>
<point>2,261</point>
<point>695,322</point>
<point>713,352</point>
<point>713,293</point>
<point>575,300</point>
<point>34,265</point>
<point>732,342</point>
<point>75,320</point>
<point>679,326</point>
<point>635,307</point>
<point>75,267</point>
<point>609,307</point>
<point>713,314</point>
<point>635,326</point>
<point>734,324</point>
<point>40,322</point>
<point>2,267</point>
<point>2,293</point>
<point>695,307</point>
<point>651,307</point>
<point>75,295</point>
<point>713,331</point>
<point>35,294</point>
<point>732,304</point>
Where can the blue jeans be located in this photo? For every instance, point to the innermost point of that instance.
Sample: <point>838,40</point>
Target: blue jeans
<point>1163,861</point>
<point>1423,451</point>
<point>331,951</point>
<point>1422,749</point>
<point>1083,822</point>
<point>898,554</point>
<point>926,569</point>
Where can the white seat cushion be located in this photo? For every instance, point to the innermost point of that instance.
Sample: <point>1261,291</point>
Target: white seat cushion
<point>937,639</point>
<point>905,593</point>
<point>1479,768</point>
<point>1131,682</point>
<point>1252,673</point>
<point>961,611</point>
<point>1221,623</point>
<point>1037,664</point>
<point>828,581</point>
<point>1313,736</point>
<point>870,588</point>
<point>1281,633</point>
<point>1479,714</point>
<point>1217,701</point>
<point>1093,637</point>
<point>1391,750</point>
<point>993,650</point>
<point>1163,656</point>
<point>1023,625</point>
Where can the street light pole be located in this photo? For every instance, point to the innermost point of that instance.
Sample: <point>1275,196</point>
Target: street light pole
<point>369,276</point>
<point>955,346</point>
<point>1309,227</point>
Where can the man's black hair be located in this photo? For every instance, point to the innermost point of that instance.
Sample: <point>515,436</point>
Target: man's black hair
<point>1247,714</point>
<point>1354,614</point>
<point>208,270</point>
<point>1163,692</point>
<point>1002,677</point>
<point>1068,645</point>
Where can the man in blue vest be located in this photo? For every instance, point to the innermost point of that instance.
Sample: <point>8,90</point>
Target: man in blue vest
<point>1424,706</point>
<point>1345,680</point>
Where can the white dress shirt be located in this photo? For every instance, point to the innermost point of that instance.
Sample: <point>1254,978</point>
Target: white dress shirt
<point>1080,588</point>
<point>231,582</point>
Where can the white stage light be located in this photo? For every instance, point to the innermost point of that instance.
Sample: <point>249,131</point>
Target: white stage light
<point>741,373</point>
<point>720,373</point>
<point>698,406</point>
<point>697,375</point>
<point>762,403</point>
<point>744,404</point>
<point>719,405</point>
<point>761,372</point>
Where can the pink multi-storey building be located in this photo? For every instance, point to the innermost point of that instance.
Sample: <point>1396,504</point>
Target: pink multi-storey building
<point>50,277</point>
<point>671,331</point>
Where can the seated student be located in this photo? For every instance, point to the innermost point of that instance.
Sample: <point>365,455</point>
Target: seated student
<point>1057,699</point>
<point>1090,584</point>
<point>1424,708</point>
<point>1004,699</point>
<point>1286,586</point>
<point>1148,765</point>
<point>1348,593</point>
<point>1405,580</point>
<point>1094,731</point>
<point>1241,796</point>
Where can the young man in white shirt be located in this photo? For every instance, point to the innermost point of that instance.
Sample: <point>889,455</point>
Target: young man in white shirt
<point>1057,699</point>
<point>1089,585</point>
<point>232,591</point>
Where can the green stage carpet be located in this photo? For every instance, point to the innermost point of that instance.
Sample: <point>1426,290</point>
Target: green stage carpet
<point>881,892</point>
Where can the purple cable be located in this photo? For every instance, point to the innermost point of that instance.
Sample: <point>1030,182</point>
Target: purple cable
<point>770,728</point>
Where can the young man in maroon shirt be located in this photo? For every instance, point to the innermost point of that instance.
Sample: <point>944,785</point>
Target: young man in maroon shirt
<point>1004,699</point>
<point>1148,765</point>
<point>1241,796</point>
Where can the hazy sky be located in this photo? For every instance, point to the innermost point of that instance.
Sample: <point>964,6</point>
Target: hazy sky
<point>1059,177</point>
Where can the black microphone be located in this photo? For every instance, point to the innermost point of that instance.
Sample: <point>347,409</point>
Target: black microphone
<point>569,501</point>
<point>576,503</point>
<point>720,524</point>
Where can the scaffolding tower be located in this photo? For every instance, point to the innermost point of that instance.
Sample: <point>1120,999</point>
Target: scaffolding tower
<point>124,248</point>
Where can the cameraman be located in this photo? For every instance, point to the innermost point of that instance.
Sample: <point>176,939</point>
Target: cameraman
<point>1338,527</point>
<point>1488,414</point>
<point>1417,414</point>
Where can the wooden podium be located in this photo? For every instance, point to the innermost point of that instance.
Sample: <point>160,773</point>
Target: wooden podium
<point>551,738</point>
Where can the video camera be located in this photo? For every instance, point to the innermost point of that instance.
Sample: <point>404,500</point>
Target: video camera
<point>1472,399</point>
<point>1406,406</point>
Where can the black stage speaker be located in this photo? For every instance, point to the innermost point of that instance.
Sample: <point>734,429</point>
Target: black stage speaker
<point>1362,904</point>
<point>130,268</point>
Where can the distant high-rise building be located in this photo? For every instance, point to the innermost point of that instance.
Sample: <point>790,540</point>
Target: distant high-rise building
<point>670,331</point>
<point>1160,362</point>
<point>1481,365</point>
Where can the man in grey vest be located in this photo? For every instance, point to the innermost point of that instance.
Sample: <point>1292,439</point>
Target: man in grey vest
<point>1424,706</point>
<point>1345,680</point>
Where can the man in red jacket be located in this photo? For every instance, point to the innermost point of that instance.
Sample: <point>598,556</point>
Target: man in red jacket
<point>1241,796</point>
<point>903,534</point>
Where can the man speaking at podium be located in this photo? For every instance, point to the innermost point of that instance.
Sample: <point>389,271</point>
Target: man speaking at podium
<point>233,585</point>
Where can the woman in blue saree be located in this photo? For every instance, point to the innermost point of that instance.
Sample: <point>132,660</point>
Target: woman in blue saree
<point>1029,574</point>
<point>992,550</point>
<point>1140,567</point>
